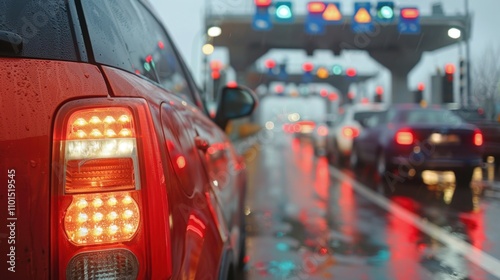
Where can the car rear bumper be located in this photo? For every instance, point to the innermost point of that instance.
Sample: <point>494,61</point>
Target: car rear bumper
<point>437,163</point>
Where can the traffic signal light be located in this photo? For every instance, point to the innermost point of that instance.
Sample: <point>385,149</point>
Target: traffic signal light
<point>448,93</point>
<point>315,24</point>
<point>270,64</point>
<point>332,13</point>
<point>409,21</point>
<point>333,96</point>
<point>261,19</point>
<point>322,73</point>
<point>307,67</point>
<point>215,66</point>
<point>419,94</point>
<point>379,92</point>
<point>350,97</point>
<point>362,19</point>
<point>337,70</point>
<point>385,11</point>
<point>350,72</point>
<point>283,11</point>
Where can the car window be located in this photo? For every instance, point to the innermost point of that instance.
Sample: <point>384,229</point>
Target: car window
<point>141,46</point>
<point>36,23</point>
<point>431,117</point>
<point>362,116</point>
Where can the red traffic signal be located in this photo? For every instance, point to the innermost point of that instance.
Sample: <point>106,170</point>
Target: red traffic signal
<point>270,63</point>
<point>410,13</point>
<point>307,67</point>
<point>421,86</point>
<point>449,69</point>
<point>215,65</point>
<point>279,89</point>
<point>350,72</point>
<point>263,3</point>
<point>316,7</point>
<point>333,96</point>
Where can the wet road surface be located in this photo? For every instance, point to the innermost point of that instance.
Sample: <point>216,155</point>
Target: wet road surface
<point>309,220</point>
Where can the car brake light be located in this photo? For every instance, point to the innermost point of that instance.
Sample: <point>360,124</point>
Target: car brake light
<point>101,186</point>
<point>478,138</point>
<point>350,132</point>
<point>404,137</point>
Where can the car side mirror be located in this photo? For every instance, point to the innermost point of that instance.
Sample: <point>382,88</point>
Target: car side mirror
<point>235,102</point>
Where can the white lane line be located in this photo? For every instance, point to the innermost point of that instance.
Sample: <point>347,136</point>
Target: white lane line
<point>473,254</point>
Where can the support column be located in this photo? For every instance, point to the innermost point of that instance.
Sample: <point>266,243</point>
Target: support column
<point>399,62</point>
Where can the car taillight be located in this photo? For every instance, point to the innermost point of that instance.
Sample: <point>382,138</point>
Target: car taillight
<point>100,187</point>
<point>350,132</point>
<point>404,137</point>
<point>478,138</point>
<point>322,130</point>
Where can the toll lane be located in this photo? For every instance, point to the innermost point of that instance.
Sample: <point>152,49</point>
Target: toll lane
<point>308,220</point>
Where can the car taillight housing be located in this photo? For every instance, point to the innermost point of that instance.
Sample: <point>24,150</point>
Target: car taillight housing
<point>350,132</point>
<point>478,138</point>
<point>100,185</point>
<point>404,137</point>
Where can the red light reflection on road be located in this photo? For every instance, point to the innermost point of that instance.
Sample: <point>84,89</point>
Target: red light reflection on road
<point>322,181</point>
<point>475,229</point>
<point>348,208</point>
<point>402,239</point>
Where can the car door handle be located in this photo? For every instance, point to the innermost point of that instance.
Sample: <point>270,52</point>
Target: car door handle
<point>201,143</point>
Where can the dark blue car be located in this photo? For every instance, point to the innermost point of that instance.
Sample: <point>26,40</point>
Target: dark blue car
<point>408,139</point>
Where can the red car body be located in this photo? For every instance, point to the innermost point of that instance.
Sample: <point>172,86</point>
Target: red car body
<point>107,174</point>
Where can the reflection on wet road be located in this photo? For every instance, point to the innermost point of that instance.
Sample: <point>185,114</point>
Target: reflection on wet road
<point>308,220</point>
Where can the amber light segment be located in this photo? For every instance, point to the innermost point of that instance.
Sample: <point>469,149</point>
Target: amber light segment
<point>102,123</point>
<point>83,230</point>
<point>96,175</point>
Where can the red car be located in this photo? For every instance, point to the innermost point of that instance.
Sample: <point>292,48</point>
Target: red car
<point>110,166</point>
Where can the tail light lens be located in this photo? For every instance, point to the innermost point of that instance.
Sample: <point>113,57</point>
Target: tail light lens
<point>478,138</point>
<point>404,137</point>
<point>100,226</point>
<point>350,132</point>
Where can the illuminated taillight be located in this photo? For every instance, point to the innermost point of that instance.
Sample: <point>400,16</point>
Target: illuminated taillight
<point>404,137</point>
<point>102,218</point>
<point>478,138</point>
<point>350,132</point>
<point>322,130</point>
<point>108,168</point>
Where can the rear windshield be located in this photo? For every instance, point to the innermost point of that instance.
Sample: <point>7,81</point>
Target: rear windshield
<point>362,116</point>
<point>430,117</point>
<point>470,115</point>
<point>43,25</point>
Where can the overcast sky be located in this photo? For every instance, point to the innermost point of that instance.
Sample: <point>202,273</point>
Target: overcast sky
<point>184,21</point>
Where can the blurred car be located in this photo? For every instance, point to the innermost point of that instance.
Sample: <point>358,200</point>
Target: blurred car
<point>489,128</point>
<point>303,128</point>
<point>113,168</point>
<point>409,139</point>
<point>337,144</point>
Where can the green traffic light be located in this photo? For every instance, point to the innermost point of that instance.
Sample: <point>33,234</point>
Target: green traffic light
<point>386,12</point>
<point>283,12</point>
<point>337,70</point>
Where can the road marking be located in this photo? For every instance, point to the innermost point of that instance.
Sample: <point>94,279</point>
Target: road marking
<point>473,254</point>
